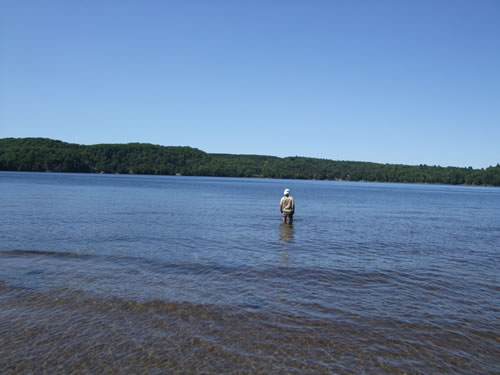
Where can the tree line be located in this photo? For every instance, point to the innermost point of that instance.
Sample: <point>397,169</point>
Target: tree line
<point>44,155</point>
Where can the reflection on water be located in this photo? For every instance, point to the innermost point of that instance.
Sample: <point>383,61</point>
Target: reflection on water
<point>287,232</point>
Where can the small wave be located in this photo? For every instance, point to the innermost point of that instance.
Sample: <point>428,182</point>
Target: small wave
<point>64,330</point>
<point>44,253</point>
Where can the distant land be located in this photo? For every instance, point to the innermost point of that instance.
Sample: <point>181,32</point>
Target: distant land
<point>48,155</point>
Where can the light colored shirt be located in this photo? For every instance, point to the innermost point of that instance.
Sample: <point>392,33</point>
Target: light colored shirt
<point>287,204</point>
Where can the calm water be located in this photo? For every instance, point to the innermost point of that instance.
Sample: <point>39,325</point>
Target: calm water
<point>152,275</point>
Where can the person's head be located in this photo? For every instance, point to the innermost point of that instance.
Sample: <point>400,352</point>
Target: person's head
<point>287,192</point>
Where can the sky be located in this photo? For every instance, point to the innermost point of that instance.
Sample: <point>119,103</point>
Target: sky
<point>387,81</point>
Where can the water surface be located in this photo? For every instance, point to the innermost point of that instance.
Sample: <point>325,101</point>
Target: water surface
<point>149,274</point>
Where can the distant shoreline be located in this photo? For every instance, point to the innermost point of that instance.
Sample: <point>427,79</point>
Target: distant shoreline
<point>251,177</point>
<point>47,155</point>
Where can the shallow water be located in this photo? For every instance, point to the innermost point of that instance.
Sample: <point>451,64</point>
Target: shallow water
<point>146,274</point>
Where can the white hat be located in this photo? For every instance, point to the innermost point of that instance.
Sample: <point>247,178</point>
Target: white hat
<point>286,192</point>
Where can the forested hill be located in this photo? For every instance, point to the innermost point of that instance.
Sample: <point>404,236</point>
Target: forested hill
<point>41,155</point>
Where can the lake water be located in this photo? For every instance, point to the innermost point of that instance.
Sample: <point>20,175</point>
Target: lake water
<point>116,274</point>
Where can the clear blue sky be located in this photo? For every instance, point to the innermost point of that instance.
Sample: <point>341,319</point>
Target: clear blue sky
<point>389,81</point>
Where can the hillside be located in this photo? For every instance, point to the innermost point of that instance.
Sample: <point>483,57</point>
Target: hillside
<point>42,154</point>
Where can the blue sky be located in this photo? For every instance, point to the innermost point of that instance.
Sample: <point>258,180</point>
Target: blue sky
<point>391,81</point>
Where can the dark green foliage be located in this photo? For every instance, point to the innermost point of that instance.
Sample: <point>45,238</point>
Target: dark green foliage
<point>41,154</point>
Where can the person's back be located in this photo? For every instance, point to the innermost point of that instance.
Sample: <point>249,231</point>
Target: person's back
<point>287,206</point>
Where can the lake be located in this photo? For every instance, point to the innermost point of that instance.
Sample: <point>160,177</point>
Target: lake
<point>119,274</point>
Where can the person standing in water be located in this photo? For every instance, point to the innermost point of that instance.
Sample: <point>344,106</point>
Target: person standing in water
<point>287,206</point>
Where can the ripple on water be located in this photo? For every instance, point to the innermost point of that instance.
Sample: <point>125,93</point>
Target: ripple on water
<point>154,275</point>
<point>67,331</point>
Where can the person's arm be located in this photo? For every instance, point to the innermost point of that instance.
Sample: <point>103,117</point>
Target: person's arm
<point>293,206</point>
<point>281,205</point>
